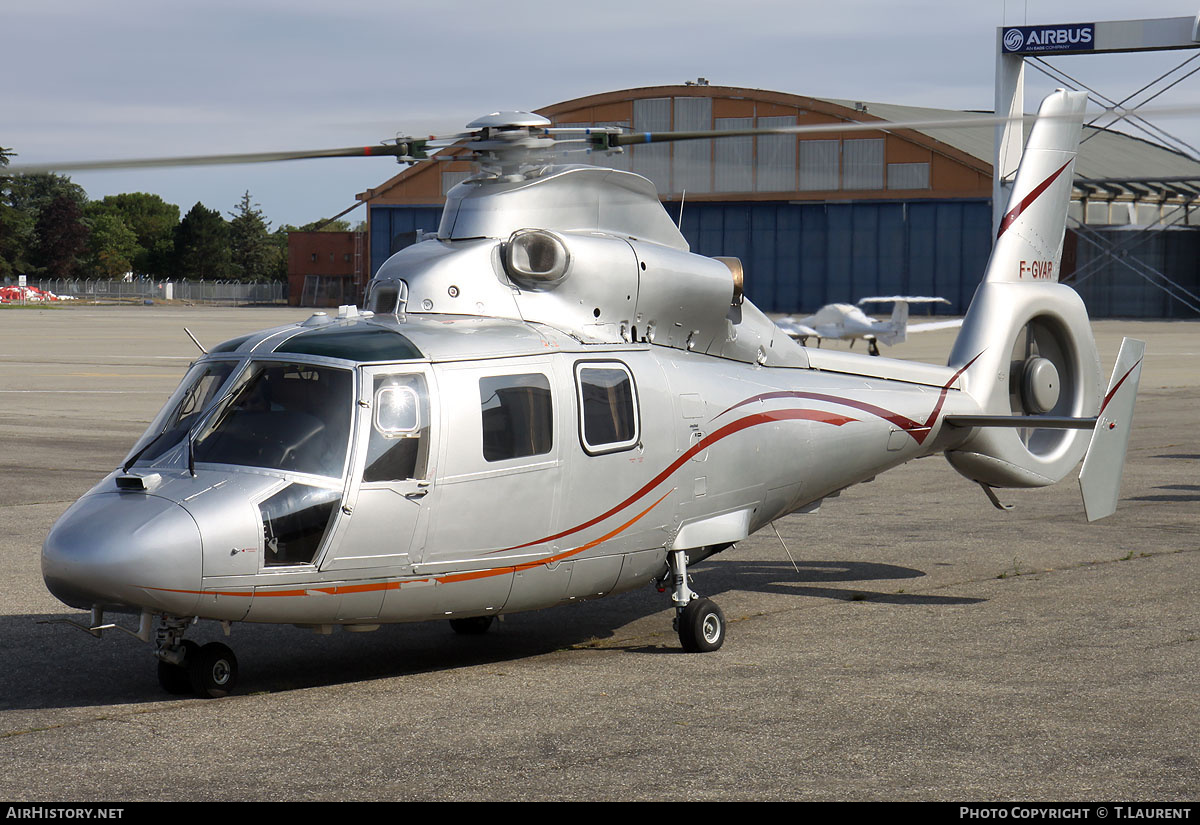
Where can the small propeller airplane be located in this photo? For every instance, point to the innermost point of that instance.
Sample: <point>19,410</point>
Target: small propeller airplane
<point>847,322</point>
<point>553,400</point>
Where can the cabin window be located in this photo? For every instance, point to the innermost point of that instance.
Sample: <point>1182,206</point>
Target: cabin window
<point>608,414</point>
<point>398,447</point>
<point>518,417</point>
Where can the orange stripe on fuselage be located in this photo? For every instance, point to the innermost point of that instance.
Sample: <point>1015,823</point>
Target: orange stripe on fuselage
<point>497,571</point>
<point>448,579</point>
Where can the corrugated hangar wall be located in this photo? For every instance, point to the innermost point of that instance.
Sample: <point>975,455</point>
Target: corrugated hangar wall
<point>1130,282</point>
<point>799,257</point>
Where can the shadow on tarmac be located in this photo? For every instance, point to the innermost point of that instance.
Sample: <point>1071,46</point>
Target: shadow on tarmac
<point>57,666</point>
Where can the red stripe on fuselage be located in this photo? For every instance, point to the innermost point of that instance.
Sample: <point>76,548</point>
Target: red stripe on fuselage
<point>1011,216</point>
<point>919,431</point>
<point>707,441</point>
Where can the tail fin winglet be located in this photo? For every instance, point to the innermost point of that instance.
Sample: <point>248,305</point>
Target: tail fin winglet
<point>1100,478</point>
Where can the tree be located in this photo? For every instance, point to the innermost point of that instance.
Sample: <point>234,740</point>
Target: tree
<point>254,256</point>
<point>279,239</point>
<point>153,222</point>
<point>111,246</point>
<point>15,227</point>
<point>202,245</point>
<point>22,201</point>
<point>33,193</point>
<point>60,237</point>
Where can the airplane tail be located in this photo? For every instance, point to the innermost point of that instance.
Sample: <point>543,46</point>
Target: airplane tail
<point>1026,345</point>
<point>896,330</point>
<point>898,323</point>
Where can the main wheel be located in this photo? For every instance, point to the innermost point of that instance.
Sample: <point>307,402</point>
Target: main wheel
<point>174,679</point>
<point>701,626</point>
<point>213,671</point>
<point>472,625</point>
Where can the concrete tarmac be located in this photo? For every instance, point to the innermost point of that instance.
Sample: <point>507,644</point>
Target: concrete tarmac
<point>912,642</point>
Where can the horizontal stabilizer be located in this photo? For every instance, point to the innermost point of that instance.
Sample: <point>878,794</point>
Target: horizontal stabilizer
<point>1100,478</point>
<point>907,299</point>
<point>930,326</point>
<point>1031,422</point>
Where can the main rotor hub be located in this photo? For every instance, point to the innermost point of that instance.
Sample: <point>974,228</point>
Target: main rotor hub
<point>509,120</point>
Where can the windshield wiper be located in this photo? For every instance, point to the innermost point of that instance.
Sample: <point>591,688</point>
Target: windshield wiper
<point>199,419</point>
<point>133,458</point>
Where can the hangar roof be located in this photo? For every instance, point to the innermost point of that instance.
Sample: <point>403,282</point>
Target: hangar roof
<point>904,163</point>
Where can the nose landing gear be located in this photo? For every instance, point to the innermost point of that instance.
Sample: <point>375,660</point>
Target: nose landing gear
<point>185,667</point>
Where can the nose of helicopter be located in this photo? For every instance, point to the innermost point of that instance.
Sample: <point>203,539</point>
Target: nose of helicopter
<point>124,550</point>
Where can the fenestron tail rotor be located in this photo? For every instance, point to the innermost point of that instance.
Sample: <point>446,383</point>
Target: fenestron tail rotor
<point>1037,369</point>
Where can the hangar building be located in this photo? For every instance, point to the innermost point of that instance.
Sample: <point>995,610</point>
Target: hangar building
<point>837,216</point>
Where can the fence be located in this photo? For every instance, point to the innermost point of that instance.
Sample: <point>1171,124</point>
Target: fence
<point>196,292</point>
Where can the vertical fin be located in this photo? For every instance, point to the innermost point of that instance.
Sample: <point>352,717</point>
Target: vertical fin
<point>1029,240</point>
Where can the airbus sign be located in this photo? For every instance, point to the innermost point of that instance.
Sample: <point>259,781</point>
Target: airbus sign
<point>1061,38</point>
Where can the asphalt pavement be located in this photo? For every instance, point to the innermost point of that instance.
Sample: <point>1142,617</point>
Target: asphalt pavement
<point>910,642</point>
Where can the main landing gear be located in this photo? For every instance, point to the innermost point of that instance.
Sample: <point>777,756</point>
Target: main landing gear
<point>698,621</point>
<point>185,667</point>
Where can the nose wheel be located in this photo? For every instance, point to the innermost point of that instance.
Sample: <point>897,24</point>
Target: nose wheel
<point>213,672</point>
<point>185,667</point>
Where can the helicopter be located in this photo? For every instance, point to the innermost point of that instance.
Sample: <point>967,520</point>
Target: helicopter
<point>551,400</point>
<point>844,322</point>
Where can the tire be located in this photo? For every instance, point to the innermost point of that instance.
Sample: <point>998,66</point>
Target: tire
<point>174,679</point>
<point>701,626</point>
<point>472,625</point>
<point>213,671</point>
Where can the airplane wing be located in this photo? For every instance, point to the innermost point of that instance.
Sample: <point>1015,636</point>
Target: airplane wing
<point>908,299</point>
<point>795,329</point>
<point>932,325</point>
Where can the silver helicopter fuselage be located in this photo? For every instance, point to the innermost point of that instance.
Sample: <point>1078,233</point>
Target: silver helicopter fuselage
<point>553,400</point>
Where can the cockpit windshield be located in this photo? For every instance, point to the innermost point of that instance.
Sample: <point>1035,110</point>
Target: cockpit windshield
<point>282,416</point>
<point>197,390</point>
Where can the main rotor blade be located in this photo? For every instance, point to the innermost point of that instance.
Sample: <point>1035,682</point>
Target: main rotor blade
<point>636,138</point>
<point>405,151</point>
<point>965,120</point>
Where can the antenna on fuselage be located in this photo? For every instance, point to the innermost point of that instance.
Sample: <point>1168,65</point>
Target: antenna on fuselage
<point>194,341</point>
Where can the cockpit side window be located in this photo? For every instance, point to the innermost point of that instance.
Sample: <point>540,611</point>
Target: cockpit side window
<point>518,417</point>
<point>398,447</point>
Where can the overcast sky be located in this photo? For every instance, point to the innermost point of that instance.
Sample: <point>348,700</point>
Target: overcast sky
<point>143,78</point>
